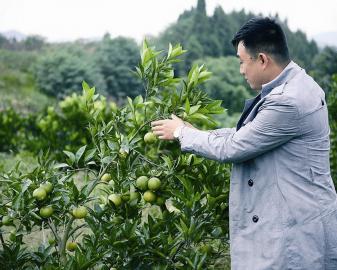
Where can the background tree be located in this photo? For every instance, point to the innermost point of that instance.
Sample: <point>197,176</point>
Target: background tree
<point>223,29</point>
<point>115,59</point>
<point>324,65</point>
<point>3,41</point>
<point>226,83</point>
<point>62,72</point>
<point>33,43</point>
<point>214,34</point>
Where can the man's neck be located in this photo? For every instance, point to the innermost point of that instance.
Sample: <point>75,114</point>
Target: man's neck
<point>275,71</point>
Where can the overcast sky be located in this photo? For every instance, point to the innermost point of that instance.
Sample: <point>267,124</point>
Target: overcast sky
<point>60,20</point>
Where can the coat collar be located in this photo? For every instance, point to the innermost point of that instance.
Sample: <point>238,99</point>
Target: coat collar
<point>275,86</point>
<point>287,73</point>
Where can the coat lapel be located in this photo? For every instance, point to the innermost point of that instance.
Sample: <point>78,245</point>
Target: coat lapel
<point>248,106</point>
<point>254,110</point>
<point>252,105</point>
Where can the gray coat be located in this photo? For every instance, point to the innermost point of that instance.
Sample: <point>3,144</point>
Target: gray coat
<point>283,204</point>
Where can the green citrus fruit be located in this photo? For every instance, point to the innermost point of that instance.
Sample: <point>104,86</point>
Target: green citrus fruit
<point>149,196</point>
<point>106,177</point>
<point>12,235</point>
<point>39,194</point>
<point>113,106</point>
<point>134,196</point>
<point>154,183</point>
<point>117,220</point>
<point>160,201</point>
<point>126,196</point>
<point>207,249</point>
<point>141,182</point>
<point>116,199</point>
<point>123,153</point>
<point>46,211</point>
<point>47,186</point>
<point>6,220</point>
<point>51,241</point>
<point>71,246</point>
<point>150,138</point>
<point>80,212</point>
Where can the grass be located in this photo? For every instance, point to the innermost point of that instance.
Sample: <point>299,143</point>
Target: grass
<point>9,160</point>
<point>18,90</point>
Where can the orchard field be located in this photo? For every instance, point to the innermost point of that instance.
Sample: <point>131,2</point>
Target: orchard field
<point>107,194</point>
<point>123,199</point>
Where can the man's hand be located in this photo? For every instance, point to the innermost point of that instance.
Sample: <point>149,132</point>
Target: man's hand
<point>164,128</point>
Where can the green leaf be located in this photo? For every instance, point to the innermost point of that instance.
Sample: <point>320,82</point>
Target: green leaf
<point>199,116</point>
<point>107,160</point>
<point>189,161</point>
<point>61,165</point>
<point>138,100</point>
<point>90,154</point>
<point>112,145</point>
<point>191,72</point>
<point>168,161</point>
<point>75,191</point>
<point>186,183</point>
<point>85,86</point>
<point>71,157</point>
<point>169,51</point>
<point>187,106</point>
<point>194,109</point>
<point>87,91</point>
<point>131,104</point>
<point>177,51</point>
<point>79,153</point>
<point>203,76</point>
<point>183,226</point>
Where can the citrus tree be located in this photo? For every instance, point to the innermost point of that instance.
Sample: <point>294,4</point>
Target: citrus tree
<point>124,200</point>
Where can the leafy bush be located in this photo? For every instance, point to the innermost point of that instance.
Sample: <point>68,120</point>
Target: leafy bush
<point>181,223</point>
<point>11,131</point>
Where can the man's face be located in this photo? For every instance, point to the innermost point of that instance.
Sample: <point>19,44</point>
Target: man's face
<point>250,68</point>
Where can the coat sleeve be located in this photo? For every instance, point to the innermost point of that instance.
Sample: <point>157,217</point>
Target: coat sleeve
<point>223,131</point>
<point>276,122</point>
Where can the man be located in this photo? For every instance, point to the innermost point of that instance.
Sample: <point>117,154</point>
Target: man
<point>283,204</point>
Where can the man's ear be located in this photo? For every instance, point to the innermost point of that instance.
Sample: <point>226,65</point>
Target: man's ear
<point>264,59</point>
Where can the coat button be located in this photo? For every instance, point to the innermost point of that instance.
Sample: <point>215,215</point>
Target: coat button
<point>255,218</point>
<point>250,182</point>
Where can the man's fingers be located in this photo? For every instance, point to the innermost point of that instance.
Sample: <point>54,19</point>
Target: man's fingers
<point>158,122</point>
<point>157,128</point>
<point>158,133</point>
<point>163,137</point>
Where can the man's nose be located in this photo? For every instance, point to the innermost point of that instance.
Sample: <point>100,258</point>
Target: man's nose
<point>242,71</point>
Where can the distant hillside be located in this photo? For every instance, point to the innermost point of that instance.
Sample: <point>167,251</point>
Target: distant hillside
<point>210,36</point>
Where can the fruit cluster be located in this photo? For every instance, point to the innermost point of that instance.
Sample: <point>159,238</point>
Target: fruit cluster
<point>150,187</point>
<point>40,194</point>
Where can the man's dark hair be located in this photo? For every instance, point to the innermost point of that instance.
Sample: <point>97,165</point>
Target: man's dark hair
<point>263,35</point>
